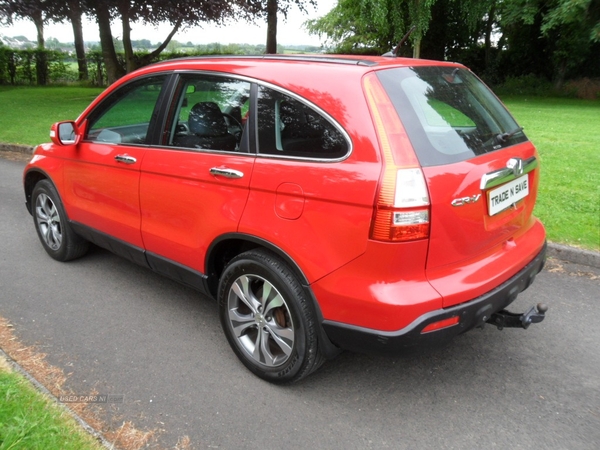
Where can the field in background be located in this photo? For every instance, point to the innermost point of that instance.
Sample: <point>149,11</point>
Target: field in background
<point>27,112</point>
<point>565,131</point>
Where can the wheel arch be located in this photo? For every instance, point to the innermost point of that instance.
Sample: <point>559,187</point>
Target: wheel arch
<point>30,179</point>
<point>226,247</point>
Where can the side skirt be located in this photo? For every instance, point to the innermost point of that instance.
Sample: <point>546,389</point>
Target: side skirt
<point>158,264</point>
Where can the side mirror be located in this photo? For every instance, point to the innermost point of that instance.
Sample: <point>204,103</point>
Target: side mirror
<point>64,133</point>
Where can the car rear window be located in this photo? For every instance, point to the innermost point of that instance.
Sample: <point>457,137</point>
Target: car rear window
<point>449,114</point>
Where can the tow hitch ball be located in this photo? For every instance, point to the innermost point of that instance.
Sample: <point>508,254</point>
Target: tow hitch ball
<point>505,319</point>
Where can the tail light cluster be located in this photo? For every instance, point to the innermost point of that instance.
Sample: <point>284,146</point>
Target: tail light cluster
<point>402,206</point>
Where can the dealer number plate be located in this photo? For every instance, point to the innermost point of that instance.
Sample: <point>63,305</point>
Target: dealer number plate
<point>508,194</point>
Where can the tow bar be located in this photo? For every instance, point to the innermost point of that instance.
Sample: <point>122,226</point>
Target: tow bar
<point>506,319</point>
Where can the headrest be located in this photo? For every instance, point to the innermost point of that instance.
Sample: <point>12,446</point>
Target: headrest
<point>206,119</point>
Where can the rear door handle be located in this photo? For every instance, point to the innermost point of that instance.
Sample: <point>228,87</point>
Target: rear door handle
<point>125,159</point>
<point>226,172</point>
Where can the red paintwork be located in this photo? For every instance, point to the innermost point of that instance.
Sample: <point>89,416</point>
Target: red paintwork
<point>318,213</point>
<point>184,207</point>
<point>470,252</point>
<point>337,210</point>
<point>101,192</point>
<point>384,289</point>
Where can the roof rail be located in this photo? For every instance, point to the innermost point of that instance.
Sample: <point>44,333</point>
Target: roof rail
<point>294,57</point>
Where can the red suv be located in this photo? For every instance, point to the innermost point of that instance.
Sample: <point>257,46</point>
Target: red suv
<point>327,203</point>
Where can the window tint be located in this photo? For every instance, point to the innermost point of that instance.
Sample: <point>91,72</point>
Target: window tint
<point>124,117</point>
<point>449,115</point>
<point>209,112</point>
<point>288,127</point>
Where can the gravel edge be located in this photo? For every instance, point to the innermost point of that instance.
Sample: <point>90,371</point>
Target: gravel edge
<point>43,390</point>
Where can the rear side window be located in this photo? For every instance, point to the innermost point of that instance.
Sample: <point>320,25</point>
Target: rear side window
<point>449,115</point>
<point>290,128</point>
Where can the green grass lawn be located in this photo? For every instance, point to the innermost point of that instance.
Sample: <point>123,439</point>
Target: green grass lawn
<point>29,420</point>
<point>565,131</point>
<point>26,113</point>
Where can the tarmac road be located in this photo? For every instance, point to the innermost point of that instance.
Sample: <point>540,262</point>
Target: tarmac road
<point>122,330</point>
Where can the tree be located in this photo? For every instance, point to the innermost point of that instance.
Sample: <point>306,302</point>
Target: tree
<point>114,70</point>
<point>419,12</point>
<point>269,9</point>
<point>40,12</point>
<point>26,9</point>
<point>351,27</point>
<point>52,43</point>
<point>272,7</point>
<point>73,11</point>
<point>547,38</point>
<point>43,11</point>
<point>573,25</point>
<point>551,38</point>
<point>177,13</point>
<point>381,23</point>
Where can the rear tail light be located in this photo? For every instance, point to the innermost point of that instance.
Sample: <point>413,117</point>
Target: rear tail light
<point>402,204</point>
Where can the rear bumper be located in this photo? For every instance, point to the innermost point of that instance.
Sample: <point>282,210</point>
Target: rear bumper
<point>471,314</point>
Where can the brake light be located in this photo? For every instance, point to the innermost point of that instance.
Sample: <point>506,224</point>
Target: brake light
<point>401,210</point>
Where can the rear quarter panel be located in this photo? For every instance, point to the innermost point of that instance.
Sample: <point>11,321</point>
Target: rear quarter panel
<point>335,197</point>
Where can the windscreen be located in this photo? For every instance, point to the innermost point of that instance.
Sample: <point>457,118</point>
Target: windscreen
<point>449,114</point>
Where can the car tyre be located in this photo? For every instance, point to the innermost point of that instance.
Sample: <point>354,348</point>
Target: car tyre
<point>268,321</point>
<point>52,226</point>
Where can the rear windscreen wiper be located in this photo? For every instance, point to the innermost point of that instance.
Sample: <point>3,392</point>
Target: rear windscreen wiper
<point>502,138</point>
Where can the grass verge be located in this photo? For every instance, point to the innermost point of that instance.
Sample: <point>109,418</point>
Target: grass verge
<point>30,420</point>
<point>21,417</point>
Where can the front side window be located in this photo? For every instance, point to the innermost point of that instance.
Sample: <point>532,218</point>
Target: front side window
<point>290,128</point>
<point>449,115</point>
<point>209,112</point>
<point>124,117</point>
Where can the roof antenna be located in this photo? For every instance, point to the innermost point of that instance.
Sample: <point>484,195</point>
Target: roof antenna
<point>394,53</point>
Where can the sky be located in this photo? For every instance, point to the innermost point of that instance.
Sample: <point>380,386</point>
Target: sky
<point>289,32</point>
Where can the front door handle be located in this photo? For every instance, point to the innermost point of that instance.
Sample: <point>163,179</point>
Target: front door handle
<point>125,159</point>
<point>226,172</point>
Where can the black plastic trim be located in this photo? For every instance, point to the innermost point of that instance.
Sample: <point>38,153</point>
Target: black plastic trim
<point>472,314</point>
<point>28,187</point>
<point>163,266</point>
<point>258,242</point>
<point>159,116</point>
<point>117,246</point>
<point>178,272</point>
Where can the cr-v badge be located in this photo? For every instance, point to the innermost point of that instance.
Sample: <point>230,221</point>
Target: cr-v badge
<point>465,200</point>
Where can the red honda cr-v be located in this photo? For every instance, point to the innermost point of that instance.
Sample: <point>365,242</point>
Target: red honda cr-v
<point>372,203</point>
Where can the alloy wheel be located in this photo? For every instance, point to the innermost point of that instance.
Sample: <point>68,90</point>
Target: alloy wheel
<point>48,221</point>
<point>260,320</point>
